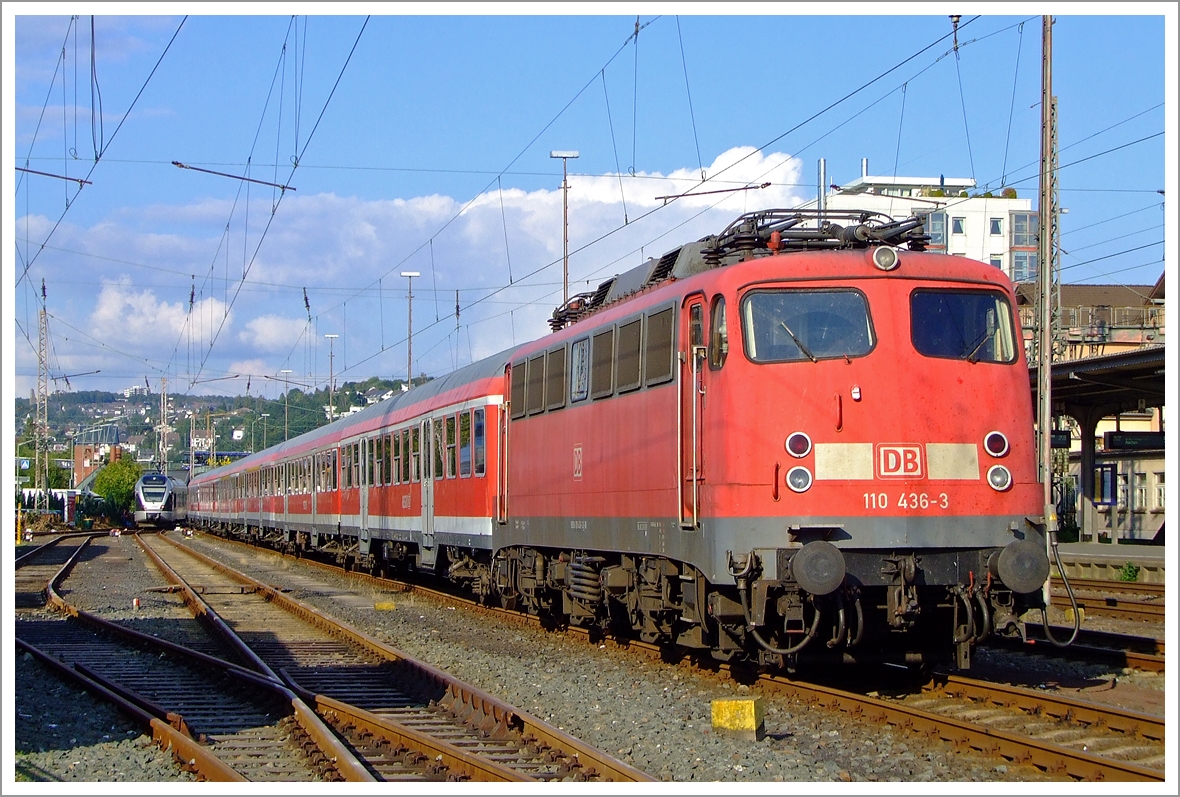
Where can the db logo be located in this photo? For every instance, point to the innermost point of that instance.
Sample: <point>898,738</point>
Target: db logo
<point>578,463</point>
<point>899,462</point>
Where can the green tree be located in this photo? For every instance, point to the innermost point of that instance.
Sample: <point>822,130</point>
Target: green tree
<point>116,484</point>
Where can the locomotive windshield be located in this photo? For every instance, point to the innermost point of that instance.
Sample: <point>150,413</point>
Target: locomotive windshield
<point>793,325</point>
<point>962,325</point>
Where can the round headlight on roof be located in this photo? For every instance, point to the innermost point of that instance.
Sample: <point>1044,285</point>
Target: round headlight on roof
<point>999,478</point>
<point>799,479</point>
<point>886,258</point>
<point>798,444</point>
<point>996,444</point>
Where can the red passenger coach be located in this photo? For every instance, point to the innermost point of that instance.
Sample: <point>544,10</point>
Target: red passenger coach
<point>796,440</point>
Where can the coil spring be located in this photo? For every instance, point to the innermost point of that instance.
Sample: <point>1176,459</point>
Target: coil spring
<point>584,580</point>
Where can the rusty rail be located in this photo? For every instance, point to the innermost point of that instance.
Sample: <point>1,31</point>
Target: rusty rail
<point>481,709</point>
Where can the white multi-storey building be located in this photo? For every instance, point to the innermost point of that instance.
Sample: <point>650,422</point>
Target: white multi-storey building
<point>999,229</point>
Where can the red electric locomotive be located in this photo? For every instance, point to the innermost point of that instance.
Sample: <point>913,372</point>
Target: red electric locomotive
<point>796,440</point>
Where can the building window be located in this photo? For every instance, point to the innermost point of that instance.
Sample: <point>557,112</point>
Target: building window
<point>936,228</point>
<point>1024,229</point>
<point>958,225</point>
<point>997,226</point>
<point>1159,490</point>
<point>1024,266</point>
<point>996,261</point>
<point>1140,491</point>
<point>1122,490</point>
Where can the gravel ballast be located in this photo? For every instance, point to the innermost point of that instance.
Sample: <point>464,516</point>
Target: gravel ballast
<point>653,715</point>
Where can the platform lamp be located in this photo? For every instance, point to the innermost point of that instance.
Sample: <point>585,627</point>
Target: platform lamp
<point>565,155</point>
<point>409,275</point>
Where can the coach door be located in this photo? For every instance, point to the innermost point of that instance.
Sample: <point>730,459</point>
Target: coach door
<point>692,394</point>
<point>428,551</point>
<point>366,484</point>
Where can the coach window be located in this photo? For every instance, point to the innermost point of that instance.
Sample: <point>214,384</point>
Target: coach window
<point>333,469</point>
<point>480,454</point>
<point>602,370</point>
<point>658,351</point>
<point>519,376</point>
<point>555,379</point>
<point>438,448</point>
<point>719,335</point>
<point>406,460</point>
<point>579,370</point>
<point>535,391</point>
<point>465,444</point>
<point>627,362</point>
<point>452,453</point>
<point>416,446</point>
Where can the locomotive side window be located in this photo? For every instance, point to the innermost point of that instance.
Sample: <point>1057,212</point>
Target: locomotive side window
<point>627,364</point>
<point>516,397</point>
<point>696,326</point>
<point>795,325</point>
<point>535,391</point>
<point>580,370</point>
<point>658,355</point>
<point>452,453</point>
<point>555,379</point>
<point>464,444</point>
<point>719,334</point>
<point>962,325</point>
<point>480,455</point>
<point>603,361</point>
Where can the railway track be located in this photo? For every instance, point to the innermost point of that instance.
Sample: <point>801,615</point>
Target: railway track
<point>1069,738</point>
<point>390,708</point>
<point>1123,600</point>
<point>219,721</point>
<point>1103,647</point>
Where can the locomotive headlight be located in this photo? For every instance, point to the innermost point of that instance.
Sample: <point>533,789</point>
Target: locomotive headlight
<point>799,479</point>
<point>999,478</point>
<point>996,444</point>
<point>886,258</point>
<point>798,444</point>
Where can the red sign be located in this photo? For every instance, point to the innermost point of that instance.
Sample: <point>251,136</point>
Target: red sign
<point>899,462</point>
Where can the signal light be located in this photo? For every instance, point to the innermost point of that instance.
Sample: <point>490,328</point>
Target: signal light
<point>999,478</point>
<point>798,445</point>
<point>799,479</point>
<point>996,444</point>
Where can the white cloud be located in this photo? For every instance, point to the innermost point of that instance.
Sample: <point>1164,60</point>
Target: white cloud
<point>138,321</point>
<point>273,333</point>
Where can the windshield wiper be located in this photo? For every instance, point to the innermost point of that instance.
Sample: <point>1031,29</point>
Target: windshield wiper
<point>971,358</point>
<point>799,343</point>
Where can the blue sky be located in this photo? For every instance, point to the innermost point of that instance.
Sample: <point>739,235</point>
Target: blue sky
<point>433,156</point>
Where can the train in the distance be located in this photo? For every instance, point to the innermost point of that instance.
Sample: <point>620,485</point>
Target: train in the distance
<point>160,501</point>
<point>803,439</point>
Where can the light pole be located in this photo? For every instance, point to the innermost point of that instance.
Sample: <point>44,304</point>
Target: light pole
<point>264,416</point>
<point>409,275</point>
<point>331,377</point>
<point>286,413</point>
<point>565,155</point>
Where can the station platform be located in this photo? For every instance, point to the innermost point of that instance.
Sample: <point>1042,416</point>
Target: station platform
<point>1103,561</point>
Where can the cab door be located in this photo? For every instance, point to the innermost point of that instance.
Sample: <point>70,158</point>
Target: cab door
<point>692,393</point>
